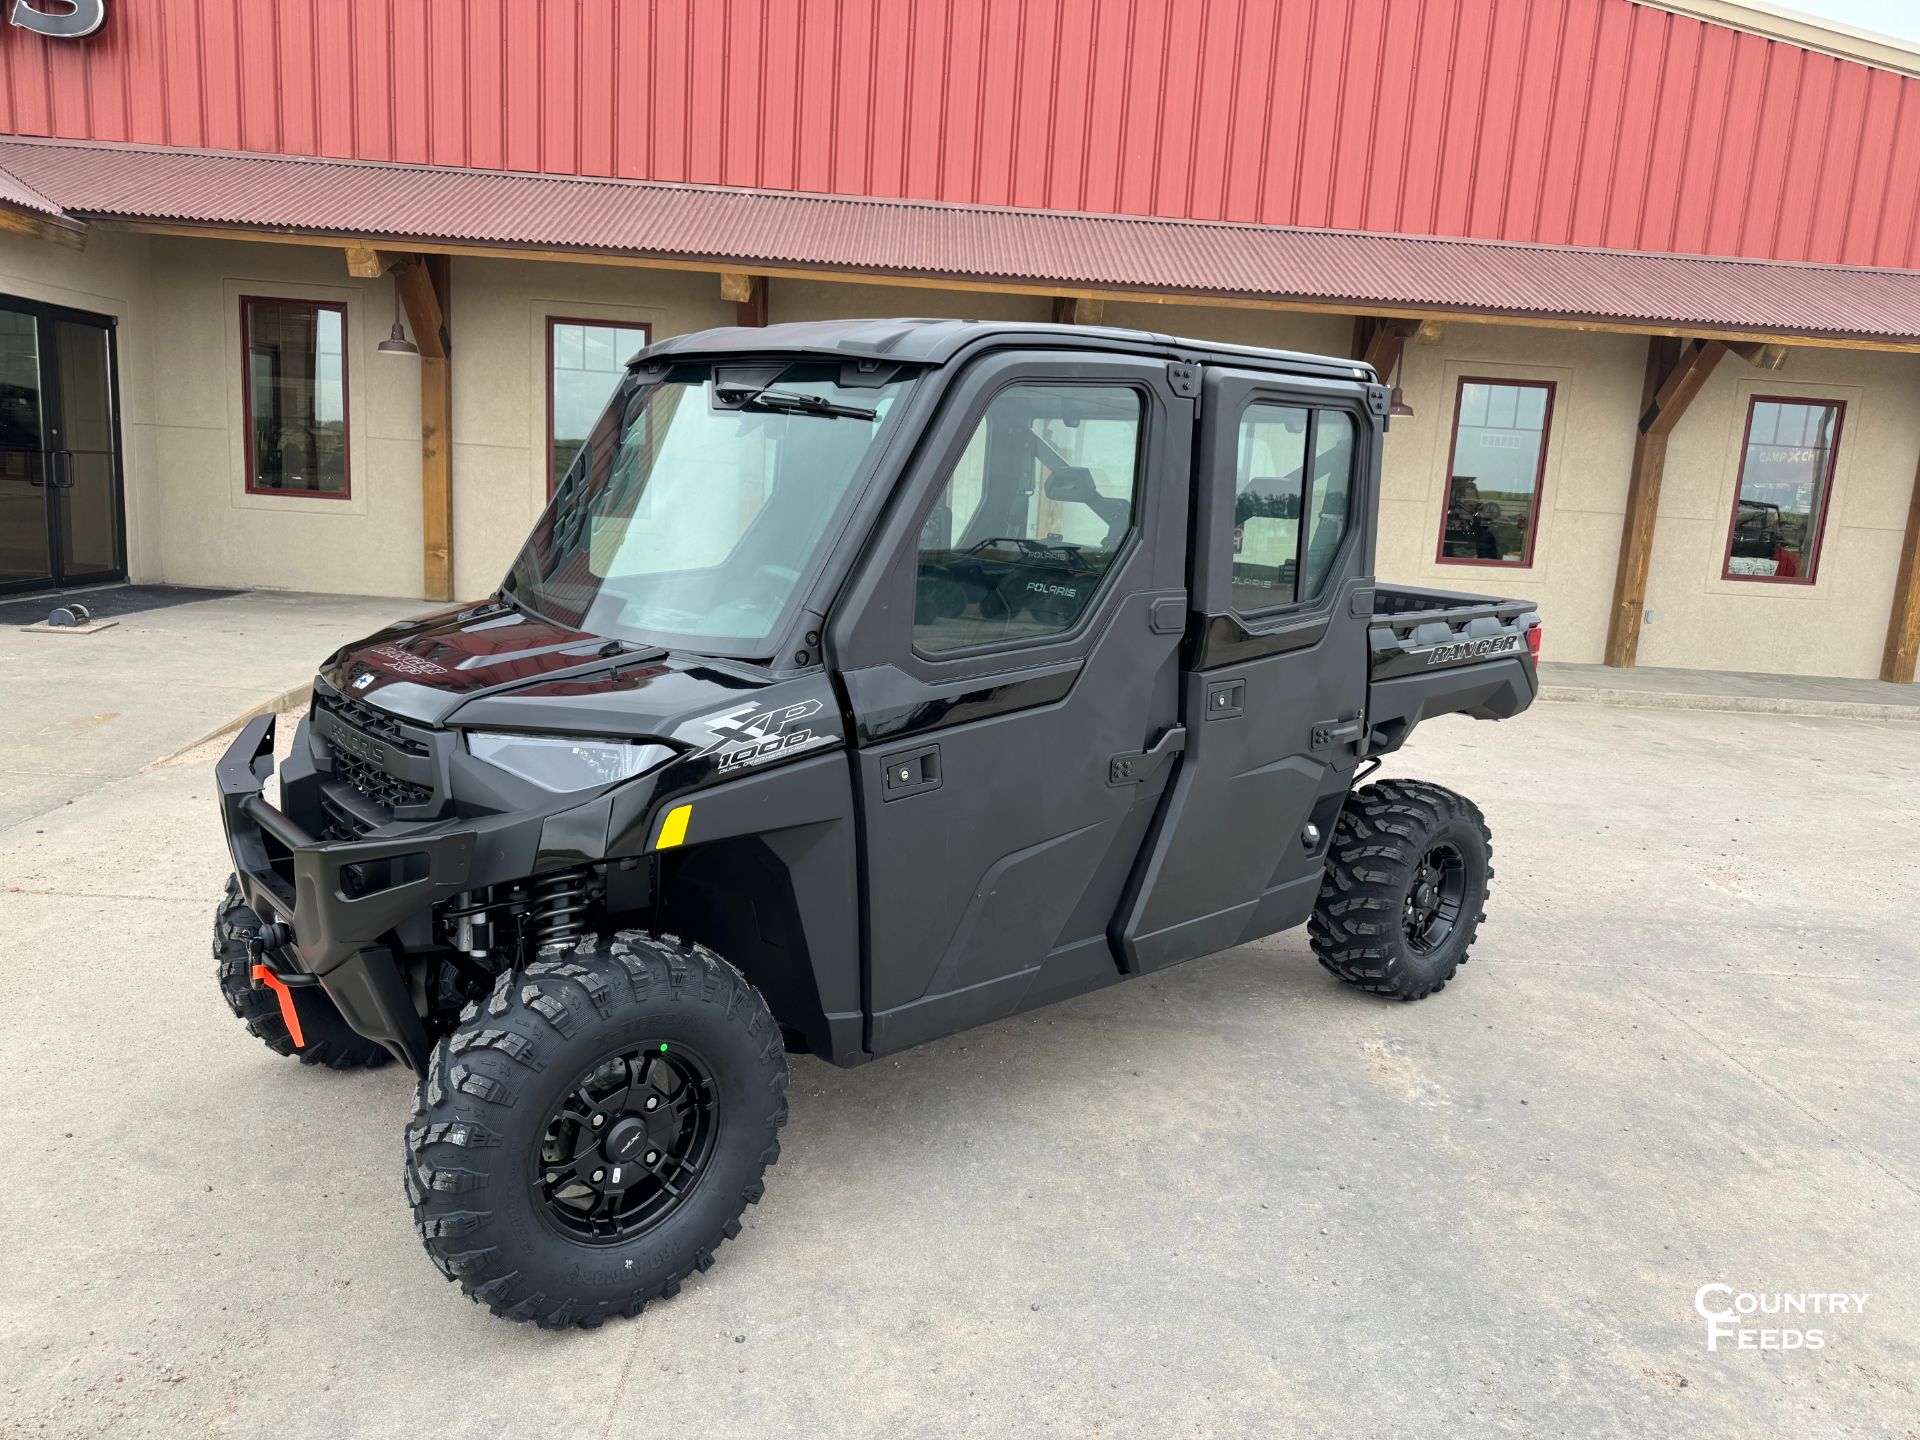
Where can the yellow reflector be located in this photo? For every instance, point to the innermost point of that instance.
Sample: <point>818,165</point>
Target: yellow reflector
<point>673,829</point>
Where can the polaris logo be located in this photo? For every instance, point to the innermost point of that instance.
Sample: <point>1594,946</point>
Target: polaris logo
<point>355,743</point>
<point>1039,588</point>
<point>1472,649</point>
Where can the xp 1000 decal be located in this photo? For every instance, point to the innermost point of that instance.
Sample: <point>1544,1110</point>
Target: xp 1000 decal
<point>754,733</point>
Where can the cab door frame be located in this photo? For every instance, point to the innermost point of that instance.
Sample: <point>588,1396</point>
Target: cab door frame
<point>991,854</point>
<point>1274,700</point>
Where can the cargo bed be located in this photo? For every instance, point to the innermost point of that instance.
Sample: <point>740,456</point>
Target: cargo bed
<point>1441,652</point>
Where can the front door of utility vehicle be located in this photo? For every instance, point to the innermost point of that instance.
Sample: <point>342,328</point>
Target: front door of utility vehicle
<point>1010,652</point>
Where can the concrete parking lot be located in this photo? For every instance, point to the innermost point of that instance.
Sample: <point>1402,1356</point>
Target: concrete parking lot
<point>1234,1199</point>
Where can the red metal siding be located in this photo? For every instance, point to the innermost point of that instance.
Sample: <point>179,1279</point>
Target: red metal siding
<point>1589,122</point>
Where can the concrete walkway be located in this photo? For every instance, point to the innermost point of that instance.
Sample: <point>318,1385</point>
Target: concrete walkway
<point>1729,690</point>
<point>81,710</point>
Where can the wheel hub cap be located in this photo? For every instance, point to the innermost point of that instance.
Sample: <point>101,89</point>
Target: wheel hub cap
<point>627,1144</point>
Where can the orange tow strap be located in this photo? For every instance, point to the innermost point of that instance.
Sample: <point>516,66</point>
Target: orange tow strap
<point>287,1013</point>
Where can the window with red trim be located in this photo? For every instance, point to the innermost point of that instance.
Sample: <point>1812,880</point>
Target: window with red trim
<point>1786,480</point>
<point>296,385</point>
<point>1496,471</point>
<point>585,359</point>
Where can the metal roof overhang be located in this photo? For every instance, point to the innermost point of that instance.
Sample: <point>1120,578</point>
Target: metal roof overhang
<point>418,207</point>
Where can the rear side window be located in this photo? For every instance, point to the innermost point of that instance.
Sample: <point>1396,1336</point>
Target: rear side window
<point>1293,501</point>
<point>1032,517</point>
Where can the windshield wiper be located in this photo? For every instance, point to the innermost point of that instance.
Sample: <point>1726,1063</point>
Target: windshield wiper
<point>787,402</point>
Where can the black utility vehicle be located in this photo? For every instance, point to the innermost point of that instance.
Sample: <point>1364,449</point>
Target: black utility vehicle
<point>863,682</point>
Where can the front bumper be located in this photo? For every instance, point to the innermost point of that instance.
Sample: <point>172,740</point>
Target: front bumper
<point>339,898</point>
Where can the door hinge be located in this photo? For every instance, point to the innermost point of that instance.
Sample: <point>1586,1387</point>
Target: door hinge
<point>1139,766</point>
<point>1183,378</point>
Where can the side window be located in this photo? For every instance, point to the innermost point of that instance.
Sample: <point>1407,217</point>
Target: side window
<point>1293,480</point>
<point>1030,520</point>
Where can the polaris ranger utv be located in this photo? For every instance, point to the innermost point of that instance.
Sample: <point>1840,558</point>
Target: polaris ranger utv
<point>862,682</point>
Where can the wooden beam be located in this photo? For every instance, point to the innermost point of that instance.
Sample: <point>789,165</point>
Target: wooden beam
<point>367,262</point>
<point>1903,624</point>
<point>1761,357</point>
<point>1166,295</point>
<point>1078,310</point>
<point>423,283</point>
<point>752,311</point>
<point>736,285</point>
<point>70,233</point>
<point>412,276</point>
<point>1385,339</point>
<point>1676,370</point>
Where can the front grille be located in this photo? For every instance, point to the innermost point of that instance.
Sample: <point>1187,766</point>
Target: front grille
<point>387,791</point>
<point>377,723</point>
<point>342,823</point>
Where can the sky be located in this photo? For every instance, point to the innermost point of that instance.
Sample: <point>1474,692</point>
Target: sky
<point>1898,18</point>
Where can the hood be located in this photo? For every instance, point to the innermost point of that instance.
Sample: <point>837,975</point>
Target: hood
<point>495,667</point>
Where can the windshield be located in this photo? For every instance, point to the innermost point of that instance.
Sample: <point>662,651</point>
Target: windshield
<point>700,502</point>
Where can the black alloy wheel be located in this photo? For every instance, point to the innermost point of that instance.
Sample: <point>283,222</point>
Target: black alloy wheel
<point>1434,897</point>
<point>628,1144</point>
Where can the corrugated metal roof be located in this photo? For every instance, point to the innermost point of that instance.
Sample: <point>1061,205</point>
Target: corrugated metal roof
<point>16,193</point>
<point>763,230</point>
<point>1558,122</point>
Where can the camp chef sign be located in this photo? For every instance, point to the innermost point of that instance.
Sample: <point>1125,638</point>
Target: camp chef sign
<point>62,19</point>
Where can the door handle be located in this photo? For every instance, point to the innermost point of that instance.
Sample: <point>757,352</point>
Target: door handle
<point>62,474</point>
<point>909,772</point>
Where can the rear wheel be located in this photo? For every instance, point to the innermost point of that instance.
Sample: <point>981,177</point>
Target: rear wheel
<point>1405,888</point>
<point>326,1038</point>
<point>592,1132</point>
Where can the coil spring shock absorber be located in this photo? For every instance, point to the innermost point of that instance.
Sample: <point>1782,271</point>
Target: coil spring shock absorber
<point>558,913</point>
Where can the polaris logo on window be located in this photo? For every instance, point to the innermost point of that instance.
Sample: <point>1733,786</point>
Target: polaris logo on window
<point>1472,649</point>
<point>67,20</point>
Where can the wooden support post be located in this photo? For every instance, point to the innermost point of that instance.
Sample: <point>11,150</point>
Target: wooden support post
<point>752,311</point>
<point>1903,625</point>
<point>423,284</point>
<point>1379,342</point>
<point>1676,369</point>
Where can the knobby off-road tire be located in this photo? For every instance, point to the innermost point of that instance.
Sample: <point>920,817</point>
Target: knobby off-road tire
<point>330,1041</point>
<point>507,1190</point>
<point>1405,888</point>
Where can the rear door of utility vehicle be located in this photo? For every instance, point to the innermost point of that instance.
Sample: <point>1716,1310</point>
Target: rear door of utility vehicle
<point>1009,650</point>
<point>1275,693</point>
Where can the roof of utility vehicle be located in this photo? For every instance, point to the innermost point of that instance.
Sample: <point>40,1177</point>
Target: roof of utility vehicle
<point>936,341</point>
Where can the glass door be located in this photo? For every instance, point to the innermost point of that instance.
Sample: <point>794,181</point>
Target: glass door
<point>61,512</point>
<point>26,532</point>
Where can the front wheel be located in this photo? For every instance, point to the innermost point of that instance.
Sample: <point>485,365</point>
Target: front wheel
<point>1405,889</point>
<point>590,1134</point>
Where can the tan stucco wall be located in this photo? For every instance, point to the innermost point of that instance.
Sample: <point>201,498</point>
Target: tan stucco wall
<point>1597,380</point>
<point>201,527</point>
<point>191,522</point>
<point>1838,624</point>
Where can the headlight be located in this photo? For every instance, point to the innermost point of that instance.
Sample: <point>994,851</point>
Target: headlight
<point>563,762</point>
